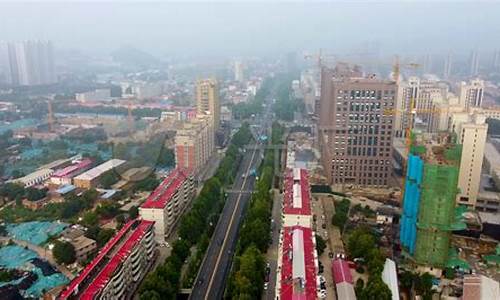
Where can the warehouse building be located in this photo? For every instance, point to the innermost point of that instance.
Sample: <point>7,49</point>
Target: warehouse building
<point>91,178</point>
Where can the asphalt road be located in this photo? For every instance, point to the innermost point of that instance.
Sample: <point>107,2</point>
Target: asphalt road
<point>211,280</point>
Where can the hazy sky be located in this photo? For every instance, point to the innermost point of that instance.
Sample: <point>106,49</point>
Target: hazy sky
<point>254,27</point>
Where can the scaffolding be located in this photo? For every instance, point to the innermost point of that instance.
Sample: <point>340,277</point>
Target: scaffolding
<point>436,214</point>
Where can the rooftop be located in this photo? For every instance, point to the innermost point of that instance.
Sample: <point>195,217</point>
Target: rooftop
<point>164,192</point>
<point>123,252</point>
<point>298,269</point>
<point>297,198</point>
<point>84,276</point>
<point>72,168</point>
<point>100,169</point>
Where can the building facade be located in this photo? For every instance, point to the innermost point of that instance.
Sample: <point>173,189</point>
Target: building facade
<point>119,266</point>
<point>471,94</point>
<point>207,100</point>
<point>194,143</point>
<point>166,203</point>
<point>355,133</point>
<point>90,178</point>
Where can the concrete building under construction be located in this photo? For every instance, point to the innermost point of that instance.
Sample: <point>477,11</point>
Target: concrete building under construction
<point>429,200</point>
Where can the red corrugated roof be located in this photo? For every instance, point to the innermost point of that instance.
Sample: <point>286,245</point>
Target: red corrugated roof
<point>73,168</point>
<point>73,286</point>
<point>103,277</point>
<point>164,192</point>
<point>290,287</point>
<point>341,271</point>
<point>288,207</point>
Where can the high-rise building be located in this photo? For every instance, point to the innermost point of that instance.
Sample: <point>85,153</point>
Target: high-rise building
<point>4,64</point>
<point>355,133</point>
<point>474,63</point>
<point>471,94</point>
<point>238,71</point>
<point>429,199</point>
<point>496,60</point>
<point>31,63</point>
<point>207,100</point>
<point>422,96</point>
<point>471,134</point>
<point>447,66</point>
<point>194,143</point>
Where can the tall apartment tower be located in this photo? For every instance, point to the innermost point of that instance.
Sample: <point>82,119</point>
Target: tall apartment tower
<point>474,63</point>
<point>4,63</point>
<point>496,60</point>
<point>207,100</point>
<point>238,71</point>
<point>31,63</point>
<point>355,135</point>
<point>471,94</point>
<point>471,134</point>
<point>447,66</point>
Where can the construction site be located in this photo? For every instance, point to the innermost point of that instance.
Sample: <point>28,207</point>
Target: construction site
<point>428,217</point>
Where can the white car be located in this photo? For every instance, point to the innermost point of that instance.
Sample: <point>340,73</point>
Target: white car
<point>322,294</point>
<point>266,285</point>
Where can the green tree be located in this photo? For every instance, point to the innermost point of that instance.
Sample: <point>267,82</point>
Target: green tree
<point>64,252</point>
<point>108,179</point>
<point>104,236</point>
<point>133,212</point>
<point>376,289</point>
<point>360,242</point>
<point>320,245</point>
<point>423,286</point>
<point>90,218</point>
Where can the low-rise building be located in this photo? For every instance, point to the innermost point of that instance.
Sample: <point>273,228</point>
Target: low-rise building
<point>118,268</point>
<point>83,247</point>
<point>95,95</point>
<point>65,175</point>
<point>297,264</point>
<point>343,280</point>
<point>91,178</point>
<point>297,199</point>
<point>480,287</point>
<point>35,178</point>
<point>390,277</point>
<point>166,203</point>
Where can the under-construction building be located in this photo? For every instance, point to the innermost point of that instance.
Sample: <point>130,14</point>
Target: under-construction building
<point>429,201</point>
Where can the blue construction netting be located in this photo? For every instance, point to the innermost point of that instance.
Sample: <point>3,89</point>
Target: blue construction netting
<point>35,232</point>
<point>15,257</point>
<point>411,203</point>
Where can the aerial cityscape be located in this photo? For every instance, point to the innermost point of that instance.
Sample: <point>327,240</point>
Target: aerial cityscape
<point>289,150</point>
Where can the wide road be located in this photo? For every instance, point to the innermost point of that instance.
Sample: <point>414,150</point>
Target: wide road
<point>211,280</point>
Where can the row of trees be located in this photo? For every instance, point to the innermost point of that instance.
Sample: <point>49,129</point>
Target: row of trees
<point>362,243</point>
<point>286,103</point>
<point>341,213</point>
<point>247,276</point>
<point>196,228</point>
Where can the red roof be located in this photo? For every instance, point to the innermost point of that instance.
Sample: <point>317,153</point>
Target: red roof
<point>103,277</point>
<point>303,207</point>
<point>72,288</point>
<point>298,288</point>
<point>341,271</point>
<point>164,192</point>
<point>73,168</point>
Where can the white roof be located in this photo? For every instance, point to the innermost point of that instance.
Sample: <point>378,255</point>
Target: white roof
<point>489,288</point>
<point>390,277</point>
<point>298,259</point>
<point>345,291</point>
<point>297,196</point>
<point>100,169</point>
<point>296,174</point>
<point>34,175</point>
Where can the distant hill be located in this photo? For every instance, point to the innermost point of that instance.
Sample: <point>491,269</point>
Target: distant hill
<point>132,56</point>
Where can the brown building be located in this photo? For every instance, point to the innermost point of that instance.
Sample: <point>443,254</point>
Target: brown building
<point>355,134</point>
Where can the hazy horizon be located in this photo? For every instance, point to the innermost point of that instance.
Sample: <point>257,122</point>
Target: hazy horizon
<point>257,28</point>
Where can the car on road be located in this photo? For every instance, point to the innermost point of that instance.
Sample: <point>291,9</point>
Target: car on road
<point>322,294</point>
<point>323,226</point>
<point>266,285</point>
